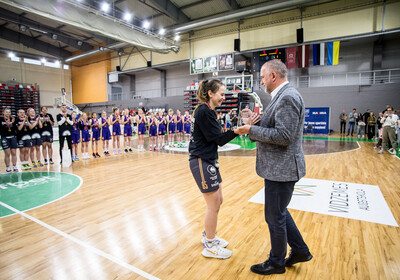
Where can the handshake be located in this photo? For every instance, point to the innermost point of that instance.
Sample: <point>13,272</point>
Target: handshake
<point>249,118</point>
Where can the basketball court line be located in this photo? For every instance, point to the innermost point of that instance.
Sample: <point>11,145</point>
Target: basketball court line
<point>80,184</point>
<point>83,244</point>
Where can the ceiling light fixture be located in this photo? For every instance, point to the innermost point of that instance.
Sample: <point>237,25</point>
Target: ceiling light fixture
<point>80,43</point>
<point>177,37</point>
<point>43,60</point>
<point>105,7</point>
<point>127,16</point>
<point>22,28</point>
<point>11,55</point>
<point>57,62</point>
<point>54,36</point>
<point>162,31</point>
<point>146,24</point>
<point>101,48</point>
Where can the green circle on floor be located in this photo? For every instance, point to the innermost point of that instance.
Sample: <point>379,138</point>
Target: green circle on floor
<point>28,190</point>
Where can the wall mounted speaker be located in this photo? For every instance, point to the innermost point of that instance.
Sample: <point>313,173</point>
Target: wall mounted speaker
<point>148,63</point>
<point>118,68</point>
<point>236,44</point>
<point>300,34</point>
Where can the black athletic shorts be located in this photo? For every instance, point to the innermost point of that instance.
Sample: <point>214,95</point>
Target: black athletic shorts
<point>205,174</point>
<point>25,143</point>
<point>47,138</point>
<point>9,142</point>
<point>37,142</point>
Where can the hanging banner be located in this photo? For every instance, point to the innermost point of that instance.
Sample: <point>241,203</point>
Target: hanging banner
<point>225,62</point>
<point>317,120</point>
<point>196,66</point>
<point>210,64</point>
<point>291,57</point>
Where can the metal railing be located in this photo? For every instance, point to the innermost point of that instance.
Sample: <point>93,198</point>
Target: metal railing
<point>345,79</point>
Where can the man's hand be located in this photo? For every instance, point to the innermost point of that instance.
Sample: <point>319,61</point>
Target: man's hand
<point>245,129</point>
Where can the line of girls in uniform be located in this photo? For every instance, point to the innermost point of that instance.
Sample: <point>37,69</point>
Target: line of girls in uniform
<point>26,132</point>
<point>157,126</point>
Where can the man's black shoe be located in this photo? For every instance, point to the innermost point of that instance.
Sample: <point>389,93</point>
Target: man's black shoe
<point>296,258</point>
<point>267,268</point>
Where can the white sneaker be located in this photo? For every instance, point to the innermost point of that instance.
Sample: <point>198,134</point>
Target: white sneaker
<point>214,250</point>
<point>381,151</point>
<point>222,242</point>
<point>392,151</point>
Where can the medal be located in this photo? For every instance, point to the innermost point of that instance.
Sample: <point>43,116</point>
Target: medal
<point>45,124</point>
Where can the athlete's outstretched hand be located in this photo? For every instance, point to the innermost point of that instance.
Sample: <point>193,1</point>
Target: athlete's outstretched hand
<point>242,130</point>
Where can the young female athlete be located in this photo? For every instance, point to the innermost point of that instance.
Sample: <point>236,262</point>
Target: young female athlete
<point>76,136</point>
<point>141,120</point>
<point>152,132</point>
<point>94,123</point>
<point>115,122</point>
<point>179,128</point>
<point>8,135</point>
<point>35,128</point>
<point>186,126</point>
<point>127,122</point>
<point>105,132</point>
<point>203,148</point>
<point>23,138</point>
<point>161,130</point>
<point>84,126</point>
<point>47,135</point>
<point>171,127</point>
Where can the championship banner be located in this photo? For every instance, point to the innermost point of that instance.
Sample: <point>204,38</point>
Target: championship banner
<point>340,199</point>
<point>317,120</point>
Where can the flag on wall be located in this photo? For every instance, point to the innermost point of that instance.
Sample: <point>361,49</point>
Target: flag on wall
<point>303,55</point>
<point>333,52</point>
<point>291,57</point>
<point>319,54</point>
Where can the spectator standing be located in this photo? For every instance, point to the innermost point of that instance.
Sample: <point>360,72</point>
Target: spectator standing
<point>365,119</point>
<point>352,120</point>
<point>389,121</point>
<point>343,118</point>
<point>360,126</point>
<point>371,122</point>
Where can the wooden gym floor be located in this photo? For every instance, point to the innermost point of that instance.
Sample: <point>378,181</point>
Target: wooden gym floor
<point>143,211</point>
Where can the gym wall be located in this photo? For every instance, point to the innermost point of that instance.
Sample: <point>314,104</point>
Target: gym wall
<point>89,82</point>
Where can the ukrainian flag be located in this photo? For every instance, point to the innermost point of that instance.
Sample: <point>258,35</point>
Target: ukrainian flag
<point>333,52</point>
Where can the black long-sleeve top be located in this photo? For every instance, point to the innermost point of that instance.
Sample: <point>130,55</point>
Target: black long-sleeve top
<point>206,135</point>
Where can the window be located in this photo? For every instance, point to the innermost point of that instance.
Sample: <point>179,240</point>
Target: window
<point>66,67</point>
<point>116,93</point>
<point>32,61</point>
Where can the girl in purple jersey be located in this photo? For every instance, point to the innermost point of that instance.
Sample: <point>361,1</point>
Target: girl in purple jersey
<point>161,130</point>
<point>127,122</point>
<point>171,118</point>
<point>76,137</point>
<point>179,128</point>
<point>187,120</point>
<point>94,123</point>
<point>141,121</point>
<point>84,126</point>
<point>104,124</point>
<point>115,121</point>
<point>152,132</point>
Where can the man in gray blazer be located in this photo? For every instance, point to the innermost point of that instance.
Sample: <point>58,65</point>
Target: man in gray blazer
<point>280,161</point>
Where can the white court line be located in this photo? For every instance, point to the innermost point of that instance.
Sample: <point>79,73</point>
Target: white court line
<point>83,244</point>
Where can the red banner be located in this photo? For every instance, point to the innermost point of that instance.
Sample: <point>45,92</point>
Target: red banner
<point>291,57</point>
<point>304,54</point>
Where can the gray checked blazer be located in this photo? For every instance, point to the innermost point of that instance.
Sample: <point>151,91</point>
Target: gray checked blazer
<point>279,137</point>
